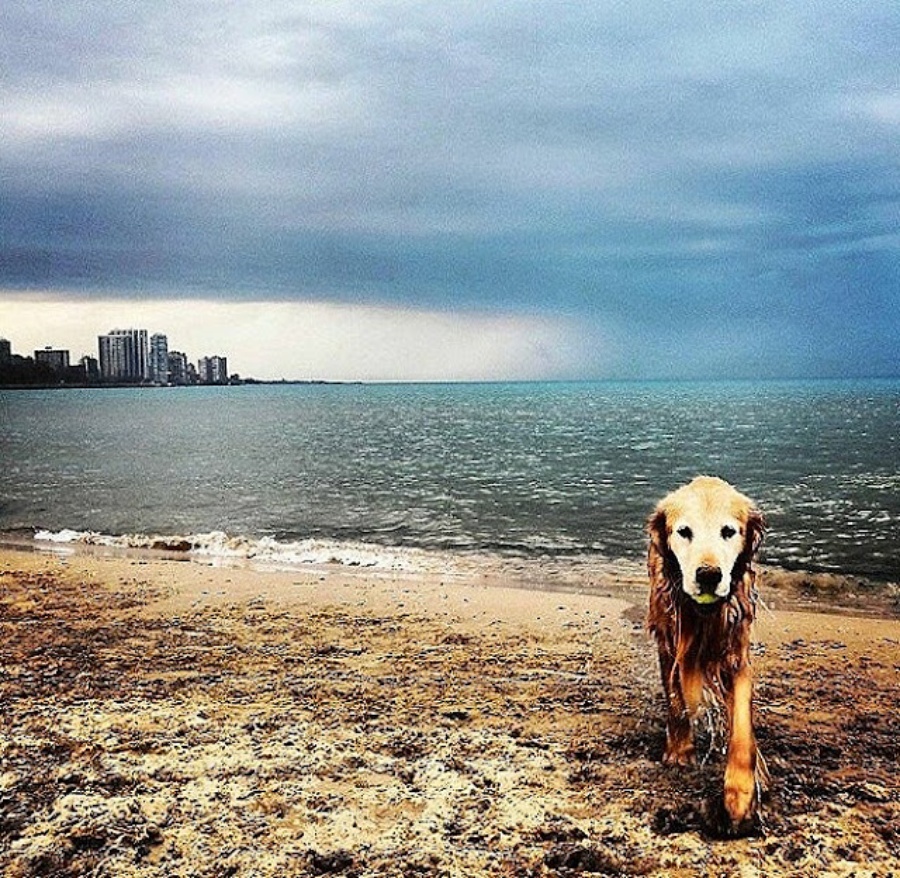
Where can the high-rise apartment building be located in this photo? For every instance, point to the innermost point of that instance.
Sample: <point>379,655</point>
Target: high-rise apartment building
<point>91,368</point>
<point>178,368</point>
<point>124,355</point>
<point>159,359</point>
<point>5,352</point>
<point>57,360</point>
<point>213,370</point>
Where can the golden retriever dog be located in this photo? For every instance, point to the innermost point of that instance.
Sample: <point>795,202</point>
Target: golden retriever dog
<point>703,542</point>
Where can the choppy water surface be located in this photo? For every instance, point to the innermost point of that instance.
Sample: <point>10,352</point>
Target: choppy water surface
<point>529,468</point>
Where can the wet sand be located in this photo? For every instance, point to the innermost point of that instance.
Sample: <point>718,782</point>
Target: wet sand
<point>164,718</point>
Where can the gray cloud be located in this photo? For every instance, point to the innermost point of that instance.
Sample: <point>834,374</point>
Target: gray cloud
<point>620,164</point>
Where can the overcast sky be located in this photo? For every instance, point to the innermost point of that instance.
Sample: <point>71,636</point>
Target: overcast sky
<point>452,189</point>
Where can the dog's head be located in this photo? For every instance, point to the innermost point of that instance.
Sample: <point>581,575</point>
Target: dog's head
<point>707,534</point>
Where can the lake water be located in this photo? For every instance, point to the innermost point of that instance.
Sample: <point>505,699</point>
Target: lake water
<point>515,468</point>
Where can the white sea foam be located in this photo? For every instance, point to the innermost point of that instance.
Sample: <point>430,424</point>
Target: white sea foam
<point>62,536</point>
<point>219,547</point>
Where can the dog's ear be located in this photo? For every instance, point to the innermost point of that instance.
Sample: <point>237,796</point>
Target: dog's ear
<point>658,546</point>
<point>756,530</point>
<point>656,530</point>
<point>743,570</point>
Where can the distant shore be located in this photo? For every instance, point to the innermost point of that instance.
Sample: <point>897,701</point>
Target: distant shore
<point>109,385</point>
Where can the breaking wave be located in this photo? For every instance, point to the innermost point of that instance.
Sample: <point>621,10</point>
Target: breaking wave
<point>218,546</point>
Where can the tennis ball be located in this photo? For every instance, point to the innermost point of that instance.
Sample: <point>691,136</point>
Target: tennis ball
<point>706,598</point>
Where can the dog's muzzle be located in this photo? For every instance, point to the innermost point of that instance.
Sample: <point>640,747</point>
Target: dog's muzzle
<point>708,578</point>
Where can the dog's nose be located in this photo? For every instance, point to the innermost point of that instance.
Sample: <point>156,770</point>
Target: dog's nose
<point>708,578</point>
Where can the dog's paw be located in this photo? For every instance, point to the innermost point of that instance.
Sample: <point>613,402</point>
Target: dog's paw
<point>720,821</point>
<point>740,805</point>
<point>682,754</point>
<point>740,799</point>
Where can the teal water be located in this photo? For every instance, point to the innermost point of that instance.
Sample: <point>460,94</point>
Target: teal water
<point>522,468</point>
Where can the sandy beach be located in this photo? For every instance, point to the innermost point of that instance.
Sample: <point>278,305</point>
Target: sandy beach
<point>169,718</point>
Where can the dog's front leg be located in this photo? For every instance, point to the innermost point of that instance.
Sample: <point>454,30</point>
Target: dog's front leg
<point>741,768</point>
<point>683,687</point>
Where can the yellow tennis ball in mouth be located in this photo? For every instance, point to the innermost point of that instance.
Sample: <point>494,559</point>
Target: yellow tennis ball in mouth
<point>706,598</point>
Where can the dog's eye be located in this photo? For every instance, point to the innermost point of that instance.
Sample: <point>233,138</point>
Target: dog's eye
<point>685,532</point>
<point>728,532</point>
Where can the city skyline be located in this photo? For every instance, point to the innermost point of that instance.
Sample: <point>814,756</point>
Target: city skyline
<point>124,356</point>
<point>319,341</point>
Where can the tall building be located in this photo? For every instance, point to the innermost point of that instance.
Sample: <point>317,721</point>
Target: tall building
<point>178,368</point>
<point>57,360</point>
<point>91,368</point>
<point>124,355</point>
<point>213,370</point>
<point>220,370</point>
<point>5,352</point>
<point>159,359</point>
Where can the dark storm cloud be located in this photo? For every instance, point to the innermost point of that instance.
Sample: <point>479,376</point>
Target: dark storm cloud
<point>651,169</point>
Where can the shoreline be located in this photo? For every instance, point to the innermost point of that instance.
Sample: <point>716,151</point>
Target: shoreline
<point>580,573</point>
